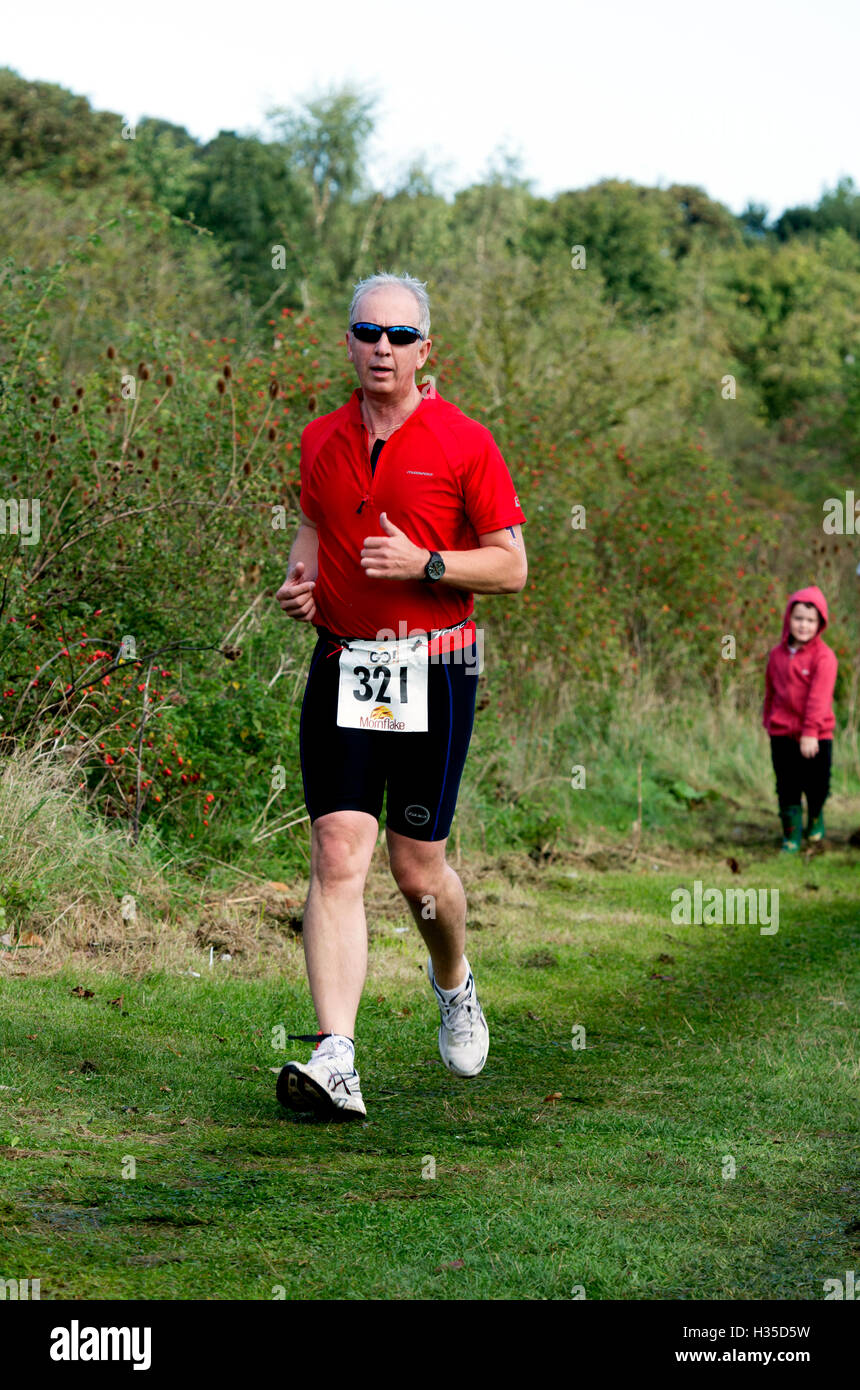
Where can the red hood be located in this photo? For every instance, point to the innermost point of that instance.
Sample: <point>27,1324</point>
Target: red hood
<point>811,595</point>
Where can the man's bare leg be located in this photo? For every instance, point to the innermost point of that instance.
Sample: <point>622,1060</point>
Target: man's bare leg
<point>420,868</point>
<point>334,930</point>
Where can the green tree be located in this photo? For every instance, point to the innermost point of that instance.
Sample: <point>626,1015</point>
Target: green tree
<point>241,189</point>
<point>838,208</point>
<point>162,155</point>
<point>46,129</point>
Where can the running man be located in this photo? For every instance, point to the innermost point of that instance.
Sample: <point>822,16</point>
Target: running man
<point>407,510</point>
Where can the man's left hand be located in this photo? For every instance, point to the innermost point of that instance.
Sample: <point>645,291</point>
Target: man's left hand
<point>392,555</point>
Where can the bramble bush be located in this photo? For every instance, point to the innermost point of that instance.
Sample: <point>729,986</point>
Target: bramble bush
<point>635,562</point>
<point>168,486</point>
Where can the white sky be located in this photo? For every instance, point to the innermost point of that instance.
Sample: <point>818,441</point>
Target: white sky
<point>750,99</point>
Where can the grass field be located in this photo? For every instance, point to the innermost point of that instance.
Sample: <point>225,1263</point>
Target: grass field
<point>702,1144</point>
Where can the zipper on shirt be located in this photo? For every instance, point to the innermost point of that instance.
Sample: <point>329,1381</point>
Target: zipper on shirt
<point>367,496</point>
<point>366,456</point>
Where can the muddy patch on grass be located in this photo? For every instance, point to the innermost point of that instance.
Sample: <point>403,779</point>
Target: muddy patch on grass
<point>57,1218</point>
<point>15,1153</point>
<point>157,1258</point>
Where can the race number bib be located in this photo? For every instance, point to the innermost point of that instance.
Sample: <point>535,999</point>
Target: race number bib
<point>383,686</point>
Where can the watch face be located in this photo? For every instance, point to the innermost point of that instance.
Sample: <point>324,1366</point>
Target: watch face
<point>435,567</point>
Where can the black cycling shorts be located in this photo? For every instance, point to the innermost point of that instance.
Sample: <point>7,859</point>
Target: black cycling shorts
<point>349,769</point>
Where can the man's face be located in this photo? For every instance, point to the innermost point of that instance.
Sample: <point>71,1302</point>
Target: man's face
<point>387,373</point>
<point>803,622</point>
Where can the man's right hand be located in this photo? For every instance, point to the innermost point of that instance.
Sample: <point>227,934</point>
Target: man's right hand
<point>296,596</point>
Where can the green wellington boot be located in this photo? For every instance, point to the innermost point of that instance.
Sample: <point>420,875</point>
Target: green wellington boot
<point>792,828</point>
<point>815,831</point>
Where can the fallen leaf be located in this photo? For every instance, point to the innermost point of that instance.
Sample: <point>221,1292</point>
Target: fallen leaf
<point>32,938</point>
<point>165,1088</point>
<point>734,865</point>
<point>452,1264</point>
<point>218,1038</point>
<point>82,993</point>
<point>32,1036</point>
<point>118,1002</point>
<point>553,1097</point>
<point>655,976</point>
<point>278,887</point>
<point>88,1066</point>
<point>666,960</point>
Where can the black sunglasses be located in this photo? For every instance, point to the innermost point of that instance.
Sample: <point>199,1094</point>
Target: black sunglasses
<point>398,335</point>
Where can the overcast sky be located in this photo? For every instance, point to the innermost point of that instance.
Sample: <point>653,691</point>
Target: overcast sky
<point>750,99</point>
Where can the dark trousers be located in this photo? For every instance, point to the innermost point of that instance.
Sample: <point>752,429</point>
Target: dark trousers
<point>796,774</point>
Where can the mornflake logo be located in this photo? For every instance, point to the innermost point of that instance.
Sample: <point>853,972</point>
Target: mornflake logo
<point>78,1343</point>
<point>381,718</point>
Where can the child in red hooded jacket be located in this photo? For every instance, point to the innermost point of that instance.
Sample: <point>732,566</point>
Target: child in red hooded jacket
<point>798,715</point>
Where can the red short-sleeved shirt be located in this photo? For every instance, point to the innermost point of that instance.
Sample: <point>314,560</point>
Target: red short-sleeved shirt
<point>440,477</point>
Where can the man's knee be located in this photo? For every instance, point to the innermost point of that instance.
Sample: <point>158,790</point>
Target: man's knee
<point>342,848</point>
<point>417,875</point>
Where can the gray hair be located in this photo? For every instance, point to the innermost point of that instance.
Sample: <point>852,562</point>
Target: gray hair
<point>418,288</point>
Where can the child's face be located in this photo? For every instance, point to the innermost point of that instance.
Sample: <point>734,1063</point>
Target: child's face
<point>803,622</point>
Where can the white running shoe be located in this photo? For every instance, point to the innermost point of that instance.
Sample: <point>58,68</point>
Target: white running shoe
<point>464,1038</point>
<point>322,1087</point>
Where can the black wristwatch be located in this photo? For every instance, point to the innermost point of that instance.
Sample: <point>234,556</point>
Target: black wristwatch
<point>435,567</point>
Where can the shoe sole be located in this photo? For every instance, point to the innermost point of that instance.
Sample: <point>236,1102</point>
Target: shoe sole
<point>299,1092</point>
